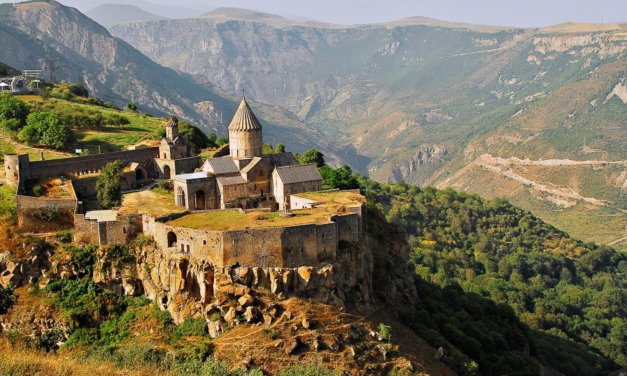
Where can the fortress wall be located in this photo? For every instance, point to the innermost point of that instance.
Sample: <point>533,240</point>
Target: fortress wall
<point>85,231</point>
<point>122,231</point>
<point>349,227</point>
<point>326,239</point>
<point>300,245</point>
<point>57,167</point>
<point>125,229</point>
<point>36,214</point>
<point>203,245</point>
<point>256,247</point>
<point>86,187</point>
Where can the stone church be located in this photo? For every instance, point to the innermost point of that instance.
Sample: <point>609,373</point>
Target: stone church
<point>245,178</point>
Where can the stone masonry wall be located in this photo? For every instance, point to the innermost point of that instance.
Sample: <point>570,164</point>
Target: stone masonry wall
<point>37,214</point>
<point>57,167</point>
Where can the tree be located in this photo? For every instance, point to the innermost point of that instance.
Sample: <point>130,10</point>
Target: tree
<point>280,148</point>
<point>132,106</point>
<point>109,185</point>
<point>12,108</point>
<point>340,178</point>
<point>47,129</point>
<point>312,156</point>
<point>194,136</point>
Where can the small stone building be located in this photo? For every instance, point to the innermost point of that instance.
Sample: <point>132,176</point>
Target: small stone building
<point>290,180</point>
<point>246,178</point>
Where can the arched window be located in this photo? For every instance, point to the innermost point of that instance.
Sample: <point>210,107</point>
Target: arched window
<point>171,239</point>
<point>166,172</point>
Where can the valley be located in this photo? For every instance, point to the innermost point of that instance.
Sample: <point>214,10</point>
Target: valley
<point>422,100</point>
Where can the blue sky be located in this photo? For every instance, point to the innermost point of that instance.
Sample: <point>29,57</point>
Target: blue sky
<point>527,13</point>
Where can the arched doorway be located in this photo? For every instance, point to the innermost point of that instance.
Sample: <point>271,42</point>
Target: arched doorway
<point>180,197</point>
<point>199,199</point>
<point>166,172</point>
<point>171,239</point>
<point>140,175</point>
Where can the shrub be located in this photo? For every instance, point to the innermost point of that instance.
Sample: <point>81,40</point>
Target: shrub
<point>7,298</point>
<point>64,236</point>
<point>191,327</point>
<point>84,257</point>
<point>131,106</point>
<point>38,191</point>
<point>12,108</point>
<point>47,129</point>
<point>311,369</point>
<point>385,331</point>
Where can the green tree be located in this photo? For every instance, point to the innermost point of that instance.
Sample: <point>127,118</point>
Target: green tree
<point>12,108</point>
<point>280,148</point>
<point>312,156</point>
<point>109,185</point>
<point>132,106</point>
<point>194,136</point>
<point>47,129</point>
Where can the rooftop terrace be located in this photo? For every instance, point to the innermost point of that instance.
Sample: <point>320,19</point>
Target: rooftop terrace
<point>332,203</point>
<point>156,203</point>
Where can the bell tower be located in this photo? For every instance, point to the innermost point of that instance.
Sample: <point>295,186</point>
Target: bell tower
<point>172,130</point>
<point>245,133</point>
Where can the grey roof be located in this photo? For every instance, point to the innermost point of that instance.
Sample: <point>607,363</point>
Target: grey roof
<point>221,166</point>
<point>244,119</point>
<point>192,176</point>
<point>298,173</point>
<point>231,180</point>
<point>251,165</point>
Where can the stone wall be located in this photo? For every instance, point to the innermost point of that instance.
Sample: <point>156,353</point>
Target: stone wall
<point>39,214</point>
<point>122,231</point>
<point>58,167</point>
<point>309,244</point>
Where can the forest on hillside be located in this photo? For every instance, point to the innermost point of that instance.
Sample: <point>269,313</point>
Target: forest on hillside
<point>498,284</point>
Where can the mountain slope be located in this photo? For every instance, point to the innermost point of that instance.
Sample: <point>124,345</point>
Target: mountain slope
<point>421,100</point>
<point>63,40</point>
<point>112,14</point>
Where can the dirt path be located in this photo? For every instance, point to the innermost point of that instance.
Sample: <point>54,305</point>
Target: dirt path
<point>564,196</point>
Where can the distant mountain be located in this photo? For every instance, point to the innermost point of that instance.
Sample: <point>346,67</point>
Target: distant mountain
<point>72,47</point>
<point>112,14</point>
<point>423,101</point>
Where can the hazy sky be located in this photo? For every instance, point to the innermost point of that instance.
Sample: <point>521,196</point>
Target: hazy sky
<point>494,12</point>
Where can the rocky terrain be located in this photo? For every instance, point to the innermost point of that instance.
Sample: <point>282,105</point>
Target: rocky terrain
<point>329,313</point>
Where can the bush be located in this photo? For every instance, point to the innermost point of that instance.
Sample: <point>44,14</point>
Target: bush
<point>12,108</point>
<point>385,331</point>
<point>311,369</point>
<point>191,327</point>
<point>7,298</point>
<point>64,236</point>
<point>47,129</point>
<point>131,106</point>
<point>84,257</point>
<point>38,191</point>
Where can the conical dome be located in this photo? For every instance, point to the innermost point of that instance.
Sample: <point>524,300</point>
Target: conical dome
<point>244,119</point>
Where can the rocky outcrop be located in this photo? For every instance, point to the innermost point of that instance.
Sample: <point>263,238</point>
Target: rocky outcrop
<point>427,155</point>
